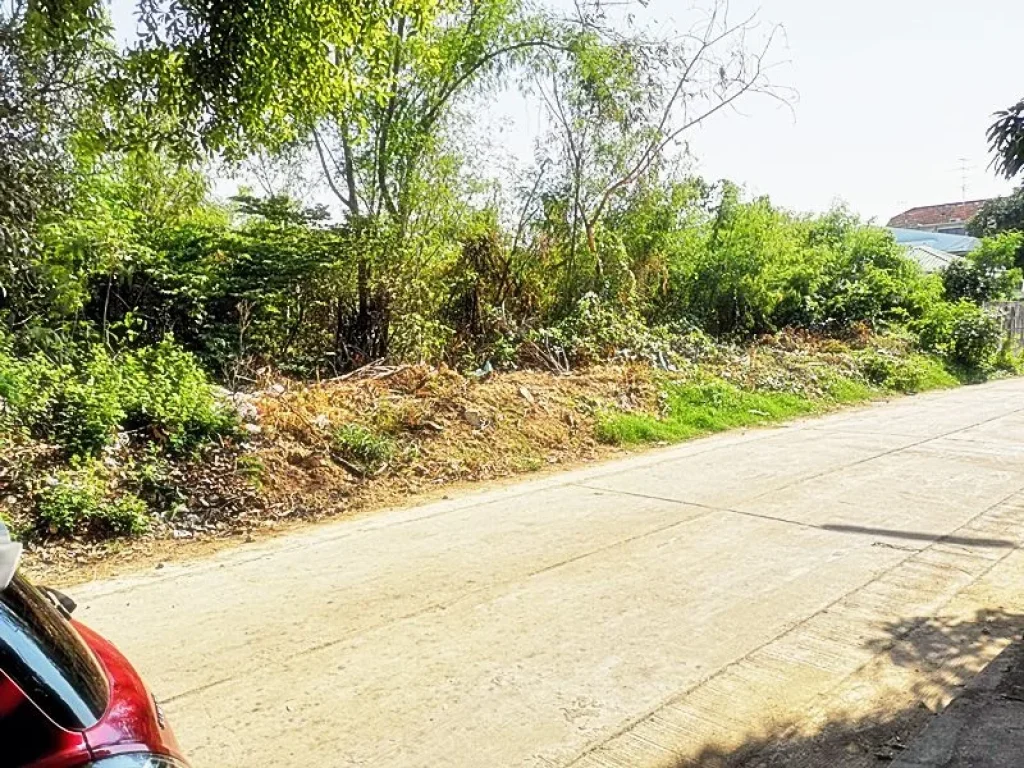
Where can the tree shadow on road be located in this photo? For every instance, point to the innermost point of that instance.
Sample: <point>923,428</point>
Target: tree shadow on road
<point>891,533</point>
<point>942,654</point>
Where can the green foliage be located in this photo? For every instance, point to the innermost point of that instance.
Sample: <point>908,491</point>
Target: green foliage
<point>126,515</point>
<point>151,477</point>
<point>698,408</point>
<point>842,389</point>
<point>963,280</point>
<point>82,404</point>
<point>276,287</point>
<point>601,250</point>
<point>237,74</point>
<point>51,57</point>
<point>363,447</point>
<point>598,330</point>
<point>750,268</point>
<point>964,333</point>
<point>78,501</point>
<point>987,273</point>
<point>1000,215</point>
<point>905,373</point>
<point>75,404</point>
<point>1006,140</point>
<point>730,281</point>
<point>1010,357</point>
<point>165,391</point>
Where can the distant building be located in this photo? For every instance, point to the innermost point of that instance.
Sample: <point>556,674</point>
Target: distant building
<point>949,218</point>
<point>930,259</point>
<point>958,245</point>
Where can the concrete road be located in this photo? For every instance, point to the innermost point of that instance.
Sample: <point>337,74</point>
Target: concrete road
<point>731,593</point>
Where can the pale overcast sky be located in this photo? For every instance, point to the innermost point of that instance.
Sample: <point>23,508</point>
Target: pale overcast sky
<point>892,94</point>
<point>894,97</point>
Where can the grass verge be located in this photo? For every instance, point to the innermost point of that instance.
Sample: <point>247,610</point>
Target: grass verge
<point>694,408</point>
<point>698,408</point>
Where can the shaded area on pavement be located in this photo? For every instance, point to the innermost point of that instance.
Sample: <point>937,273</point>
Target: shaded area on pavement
<point>940,649</point>
<point>982,727</point>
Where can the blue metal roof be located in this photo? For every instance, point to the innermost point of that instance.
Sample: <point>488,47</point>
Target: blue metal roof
<point>958,244</point>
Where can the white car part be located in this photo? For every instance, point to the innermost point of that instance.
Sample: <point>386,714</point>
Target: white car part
<point>10,554</point>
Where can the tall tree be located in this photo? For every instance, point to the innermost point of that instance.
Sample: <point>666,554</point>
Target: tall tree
<point>241,74</point>
<point>619,99</point>
<point>1001,215</point>
<point>52,59</point>
<point>373,149</point>
<point>1006,140</point>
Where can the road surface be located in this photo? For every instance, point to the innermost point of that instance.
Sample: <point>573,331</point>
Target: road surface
<point>725,596</point>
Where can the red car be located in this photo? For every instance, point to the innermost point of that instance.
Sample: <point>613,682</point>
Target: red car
<point>68,698</point>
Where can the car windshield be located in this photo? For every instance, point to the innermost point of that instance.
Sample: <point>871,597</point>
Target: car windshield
<point>42,654</point>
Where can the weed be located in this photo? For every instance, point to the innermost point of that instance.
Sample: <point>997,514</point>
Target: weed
<point>913,373</point>
<point>697,408</point>
<point>77,501</point>
<point>529,463</point>
<point>252,468</point>
<point>1010,359</point>
<point>843,389</point>
<point>363,447</point>
<point>393,418</point>
<point>166,390</point>
<point>81,405</point>
<point>152,478</point>
<point>126,515</point>
<point>964,333</point>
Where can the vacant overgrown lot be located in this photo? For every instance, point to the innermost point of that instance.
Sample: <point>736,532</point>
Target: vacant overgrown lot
<point>288,450</point>
<point>176,365</point>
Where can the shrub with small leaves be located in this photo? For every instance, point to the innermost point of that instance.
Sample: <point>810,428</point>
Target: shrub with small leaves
<point>74,404</point>
<point>964,333</point>
<point>68,501</point>
<point>87,409</point>
<point>78,500</point>
<point>597,330</point>
<point>166,391</point>
<point>82,404</point>
<point>126,515</point>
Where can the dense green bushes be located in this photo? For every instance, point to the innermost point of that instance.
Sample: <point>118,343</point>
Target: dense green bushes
<point>123,356</point>
<point>79,500</point>
<point>267,283</point>
<point>83,401</point>
<point>988,273</point>
<point>902,372</point>
<point>131,317</point>
<point>115,421</point>
<point>264,283</point>
<point>750,268</point>
<point>963,333</point>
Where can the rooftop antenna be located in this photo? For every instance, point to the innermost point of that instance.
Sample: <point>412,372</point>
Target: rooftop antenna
<point>965,167</point>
